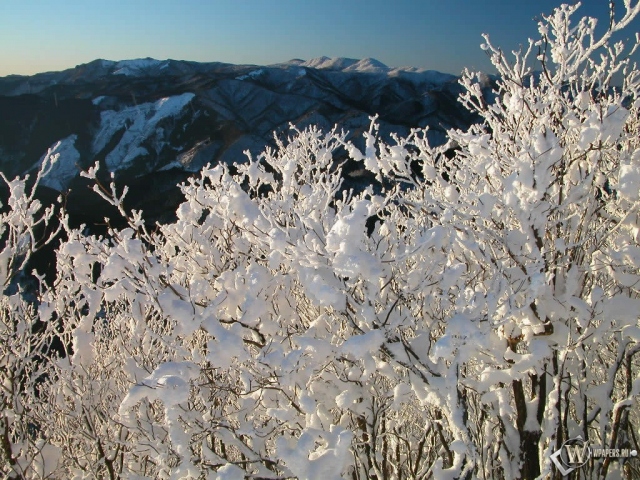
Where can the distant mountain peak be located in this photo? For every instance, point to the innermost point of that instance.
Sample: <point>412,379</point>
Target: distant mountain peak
<point>370,65</point>
<point>330,63</point>
<point>365,65</point>
<point>135,66</point>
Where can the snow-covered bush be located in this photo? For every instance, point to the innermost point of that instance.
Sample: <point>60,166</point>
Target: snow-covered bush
<point>25,342</point>
<point>461,321</point>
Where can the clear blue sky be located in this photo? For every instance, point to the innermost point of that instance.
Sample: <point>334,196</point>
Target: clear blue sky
<point>444,35</point>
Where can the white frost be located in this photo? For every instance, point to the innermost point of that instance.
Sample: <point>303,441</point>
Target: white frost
<point>168,383</point>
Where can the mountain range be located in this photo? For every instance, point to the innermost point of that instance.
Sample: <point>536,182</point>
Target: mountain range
<point>155,122</point>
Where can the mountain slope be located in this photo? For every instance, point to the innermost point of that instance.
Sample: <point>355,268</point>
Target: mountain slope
<point>154,122</point>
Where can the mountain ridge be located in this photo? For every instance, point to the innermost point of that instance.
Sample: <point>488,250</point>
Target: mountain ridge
<point>154,122</point>
<point>138,65</point>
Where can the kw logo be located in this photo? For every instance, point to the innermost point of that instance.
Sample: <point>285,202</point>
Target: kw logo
<point>578,454</point>
<point>575,452</point>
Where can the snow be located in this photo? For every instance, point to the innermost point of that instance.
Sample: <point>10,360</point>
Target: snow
<point>106,63</point>
<point>367,65</point>
<point>169,383</point>
<point>226,346</point>
<point>311,462</point>
<point>629,180</point>
<point>230,472</point>
<point>358,346</point>
<point>45,463</point>
<point>140,123</point>
<point>322,286</point>
<point>346,241</point>
<point>273,324</point>
<point>622,309</point>
<point>179,310</point>
<point>253,74</point>
<point>65,167</point>
<point>135,67</point>
<point>373,66</point>
<point>327,63</point>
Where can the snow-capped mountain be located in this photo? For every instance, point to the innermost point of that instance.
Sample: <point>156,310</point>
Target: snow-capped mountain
<point>154,122</point>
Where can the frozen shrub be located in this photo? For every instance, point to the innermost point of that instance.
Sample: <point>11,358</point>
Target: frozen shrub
<point>490,314</point>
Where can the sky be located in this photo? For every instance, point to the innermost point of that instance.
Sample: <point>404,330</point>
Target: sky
<point>443,35</point>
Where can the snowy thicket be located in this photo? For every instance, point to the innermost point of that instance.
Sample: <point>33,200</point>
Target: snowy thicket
<point>461,321</point>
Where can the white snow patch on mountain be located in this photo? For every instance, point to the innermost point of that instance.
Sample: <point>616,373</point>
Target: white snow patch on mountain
<point>65,167</point>
<point>367,65</point>
<point>140,123</point>
<point>327,63</point>
<point>254,74</point>
<point>184,161</point>
<point>371,65</point>
<point>135,67</point>
<point>97,100</point>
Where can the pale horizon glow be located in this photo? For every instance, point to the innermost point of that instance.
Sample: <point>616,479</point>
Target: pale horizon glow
<point>41,36</point>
